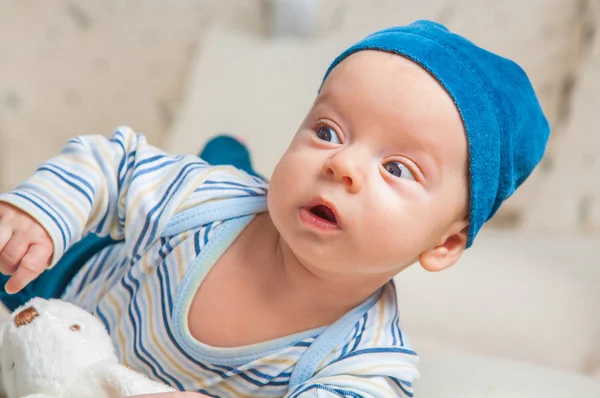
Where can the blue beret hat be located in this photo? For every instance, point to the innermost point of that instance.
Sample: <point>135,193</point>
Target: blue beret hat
<point>506,128</point>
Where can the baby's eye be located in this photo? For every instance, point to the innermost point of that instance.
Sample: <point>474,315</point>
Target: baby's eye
<point>328,134</point>
<point>398,169</point>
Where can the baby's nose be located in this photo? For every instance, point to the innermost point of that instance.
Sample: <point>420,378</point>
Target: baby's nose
<point>26,316</point>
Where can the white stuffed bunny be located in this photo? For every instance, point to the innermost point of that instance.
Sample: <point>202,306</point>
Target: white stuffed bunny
<point>51,348</point>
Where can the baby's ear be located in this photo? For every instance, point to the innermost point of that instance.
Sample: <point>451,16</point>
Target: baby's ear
<point>448,250</point>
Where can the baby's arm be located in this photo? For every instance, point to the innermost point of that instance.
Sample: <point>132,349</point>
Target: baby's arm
<point>119,186</point>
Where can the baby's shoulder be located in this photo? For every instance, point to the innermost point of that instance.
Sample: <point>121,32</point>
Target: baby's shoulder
<point>380,325</point>
<point>218,183</point>
<point>375,341</point>
<point>378,328</point>
<point>222,193</point>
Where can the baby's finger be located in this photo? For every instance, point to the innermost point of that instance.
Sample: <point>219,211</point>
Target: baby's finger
<point>11,255</point>
<point>37,258</point>
<point>33,264</point>
<point>5,235</point>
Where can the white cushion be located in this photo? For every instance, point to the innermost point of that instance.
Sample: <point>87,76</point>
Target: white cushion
<point>529,298</point>
<point>471,376</point>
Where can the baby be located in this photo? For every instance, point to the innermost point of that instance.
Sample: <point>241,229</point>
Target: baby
<point>212,283</point>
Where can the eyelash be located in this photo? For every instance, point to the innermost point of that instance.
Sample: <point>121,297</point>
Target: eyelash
<point>326,123</point>
<point>408,164</point>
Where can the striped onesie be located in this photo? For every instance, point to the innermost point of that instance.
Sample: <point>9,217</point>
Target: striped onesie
<point>174,216</point>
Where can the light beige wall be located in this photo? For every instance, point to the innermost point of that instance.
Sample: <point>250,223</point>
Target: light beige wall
<point>85,67</point>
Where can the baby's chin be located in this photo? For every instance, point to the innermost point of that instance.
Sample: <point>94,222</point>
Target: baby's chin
<point>353,263</point>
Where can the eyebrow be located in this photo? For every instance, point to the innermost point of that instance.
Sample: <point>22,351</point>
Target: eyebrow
<point>323,97</point>
<point>329,102</point>
<point>327,96</point>
<point>429,159</point>
<point>428,164</point>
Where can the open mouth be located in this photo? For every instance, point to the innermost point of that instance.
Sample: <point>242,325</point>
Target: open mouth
<point>324,212</point>
<point>322,215</point>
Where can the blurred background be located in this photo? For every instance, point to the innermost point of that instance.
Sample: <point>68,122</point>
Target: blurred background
<point>181,71</point>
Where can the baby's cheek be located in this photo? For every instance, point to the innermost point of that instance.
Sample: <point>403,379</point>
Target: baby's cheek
<point>404,231</point>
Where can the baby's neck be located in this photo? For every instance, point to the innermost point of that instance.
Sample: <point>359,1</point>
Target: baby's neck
<point>284,276</point>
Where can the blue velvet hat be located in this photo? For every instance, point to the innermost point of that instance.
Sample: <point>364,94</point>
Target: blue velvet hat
<point>506,128</point>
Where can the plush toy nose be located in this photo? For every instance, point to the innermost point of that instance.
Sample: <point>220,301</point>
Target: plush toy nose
<point>26,316</point>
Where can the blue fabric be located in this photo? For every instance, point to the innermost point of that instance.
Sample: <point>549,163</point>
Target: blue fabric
<point>226,150</point>
<point>506,128</point>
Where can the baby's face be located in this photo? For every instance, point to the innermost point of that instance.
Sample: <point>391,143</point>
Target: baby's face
<point>377,172</point>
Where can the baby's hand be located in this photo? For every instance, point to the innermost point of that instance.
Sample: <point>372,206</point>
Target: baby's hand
<point>25,248</point>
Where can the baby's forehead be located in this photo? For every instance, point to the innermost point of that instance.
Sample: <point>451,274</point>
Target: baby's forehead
<point>368,62</point>
<point>379,85</point>
<point>390,78</point>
